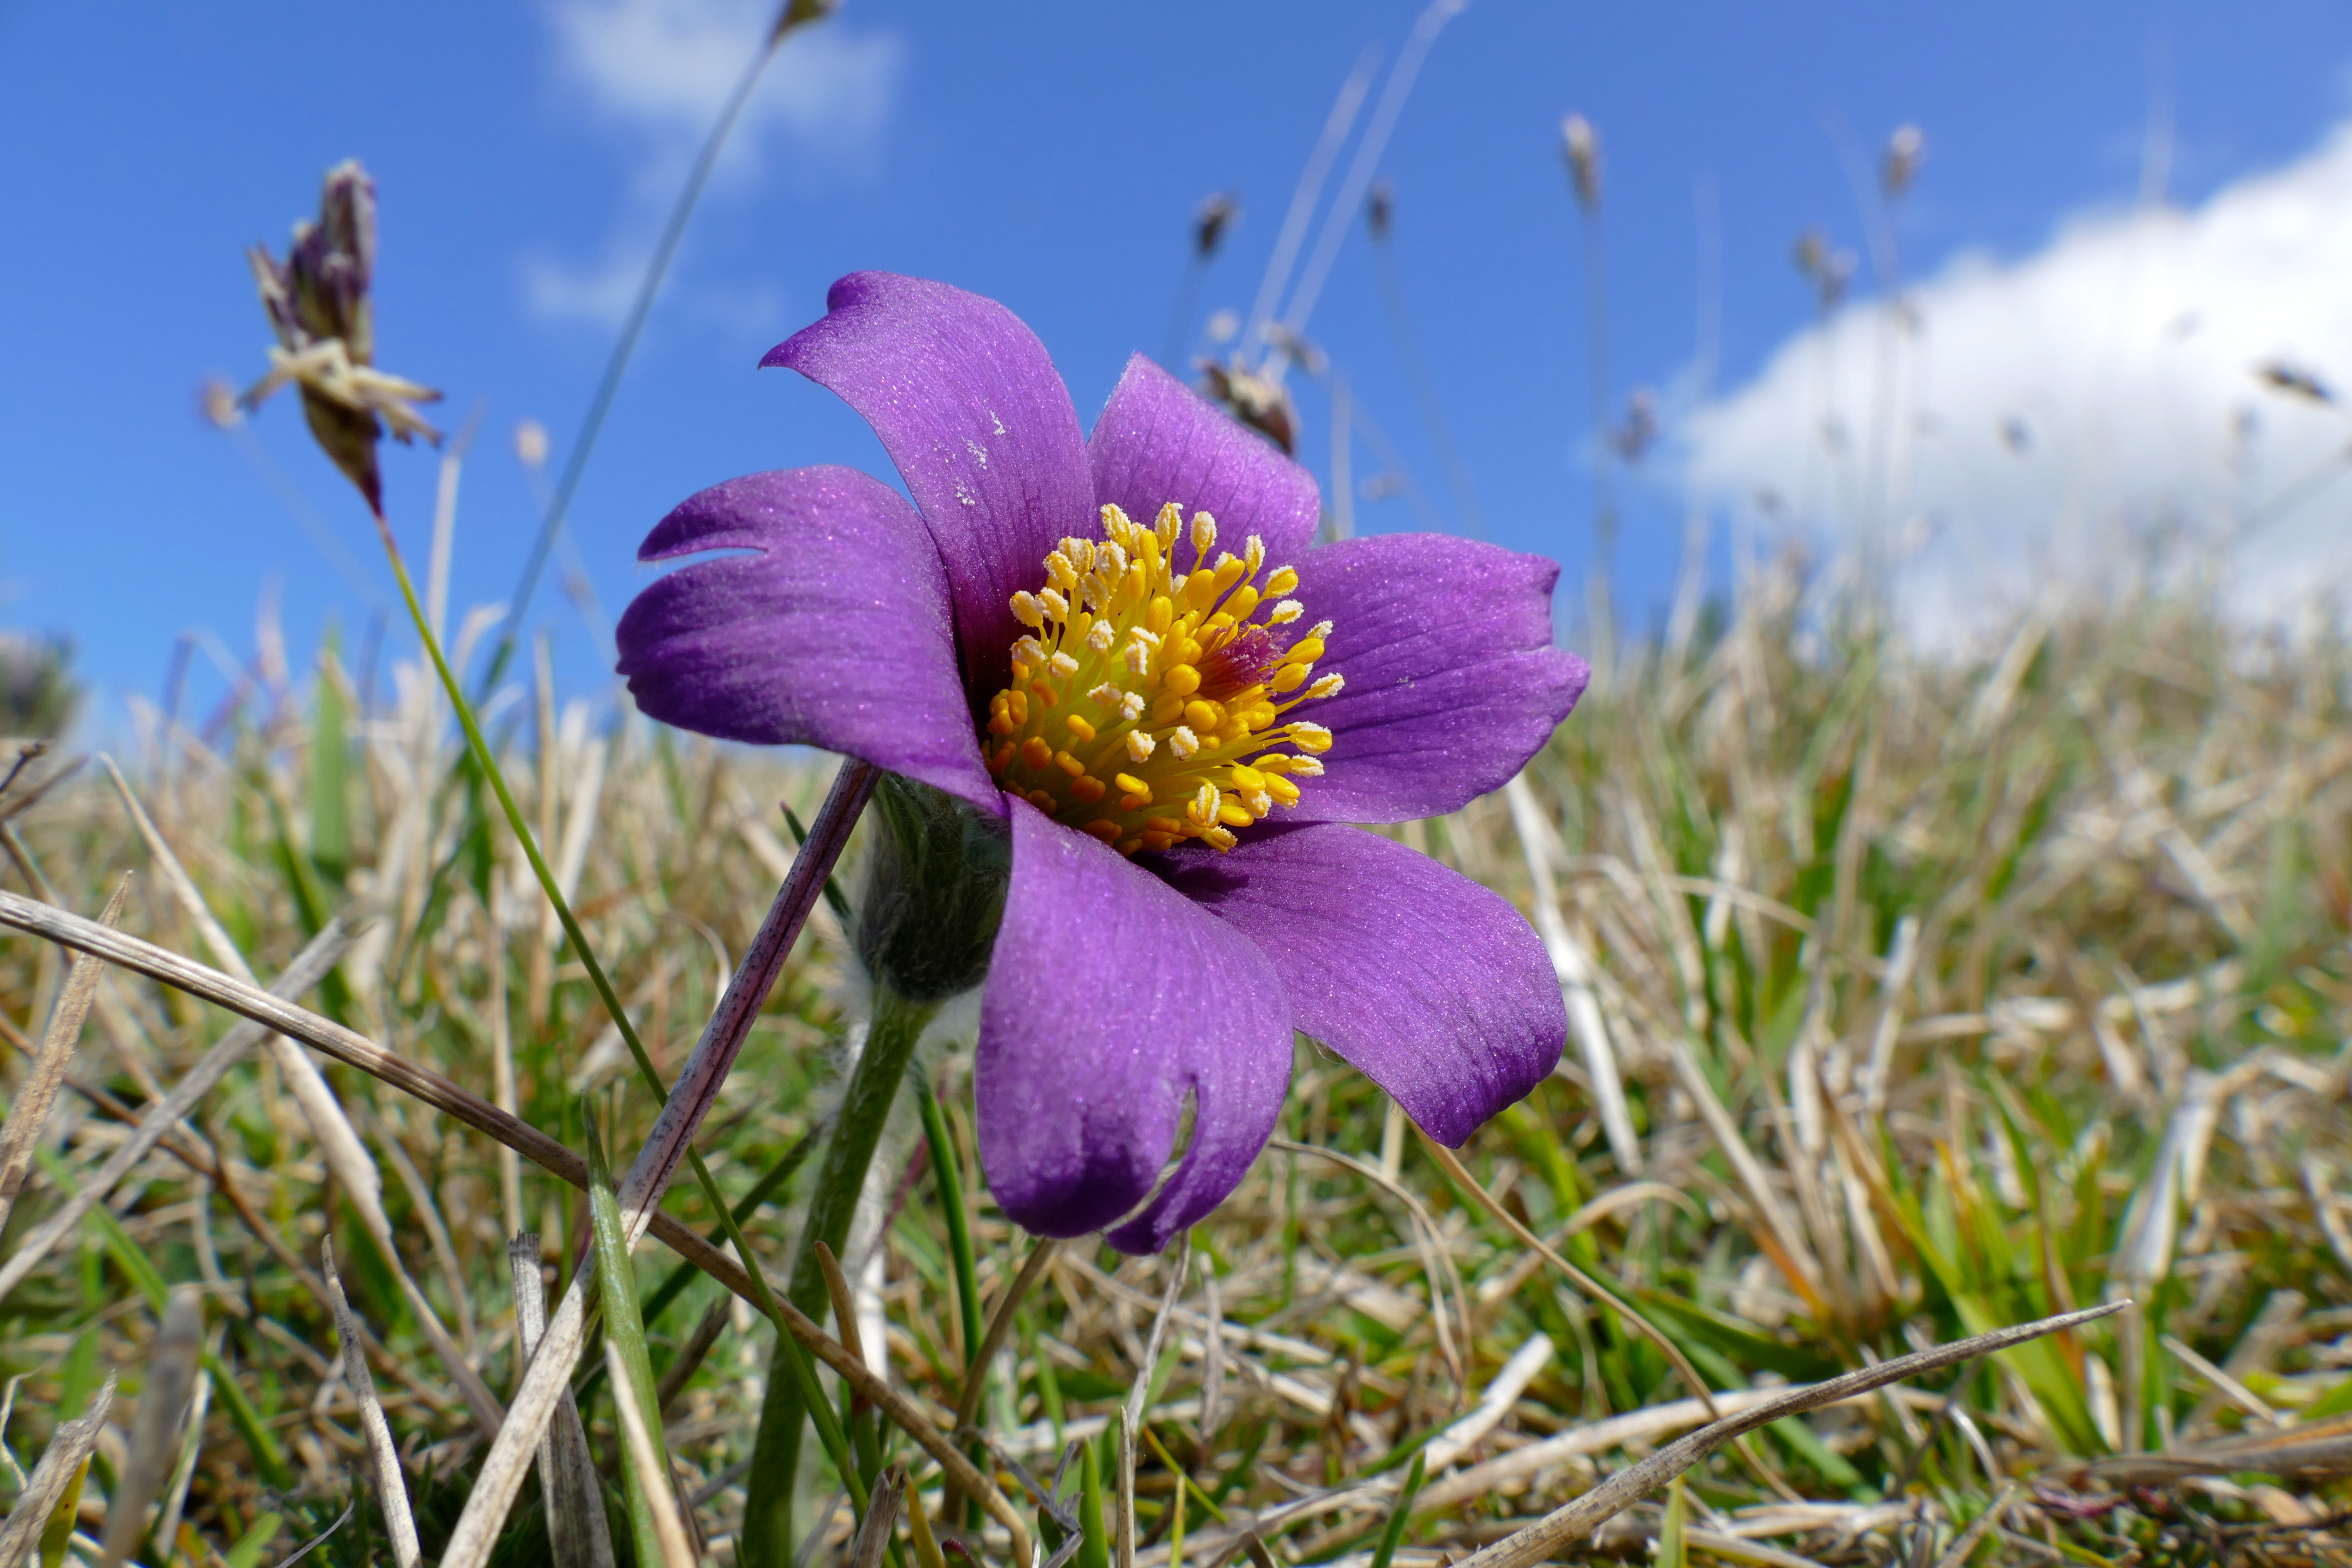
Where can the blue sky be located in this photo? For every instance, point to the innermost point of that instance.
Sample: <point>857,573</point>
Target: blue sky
<point>1048,155</point>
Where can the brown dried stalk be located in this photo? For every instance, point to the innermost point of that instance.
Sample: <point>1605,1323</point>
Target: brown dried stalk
<point>22,1134</point>
<point>1556,1531</point>
<point>357,1051</point>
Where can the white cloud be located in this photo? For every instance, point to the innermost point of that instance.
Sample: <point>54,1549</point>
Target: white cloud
<point>2059,423</point>
<point>658,71</point>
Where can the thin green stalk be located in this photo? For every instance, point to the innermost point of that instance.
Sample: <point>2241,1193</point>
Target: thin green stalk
<point>648,289</point>
<point>897,1024</point>
<point>948,1172</point>
<point>487,762</point>
<point>805,1373</point>
<point>747,1205</point>
<point>624,1326</point>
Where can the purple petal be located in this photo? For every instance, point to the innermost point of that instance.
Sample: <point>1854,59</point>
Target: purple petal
<point>1453,680</point>
<point>969,408</point>
<point>836,634</point>
<point>1159,441</point>
<point>1432,985</point>
<point>1110,1000</point>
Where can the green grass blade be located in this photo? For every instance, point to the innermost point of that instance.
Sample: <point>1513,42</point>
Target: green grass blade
<point>624,1326</point>
<point>1392,1534</point>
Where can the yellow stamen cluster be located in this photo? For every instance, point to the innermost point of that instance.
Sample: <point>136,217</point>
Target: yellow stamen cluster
<point>1144,704</point>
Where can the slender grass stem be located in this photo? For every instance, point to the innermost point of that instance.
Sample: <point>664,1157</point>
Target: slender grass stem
<point>625,349</point>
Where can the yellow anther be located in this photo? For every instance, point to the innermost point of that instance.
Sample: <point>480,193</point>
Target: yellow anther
<point>1114,621</point>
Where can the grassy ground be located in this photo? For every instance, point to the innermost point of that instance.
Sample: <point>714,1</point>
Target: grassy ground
<point>1910,1001</point>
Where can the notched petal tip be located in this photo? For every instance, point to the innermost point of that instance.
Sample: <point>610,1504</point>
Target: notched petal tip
<point>1110,1000</point>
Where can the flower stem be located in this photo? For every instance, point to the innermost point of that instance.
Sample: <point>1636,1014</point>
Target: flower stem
<point>873,1084</point>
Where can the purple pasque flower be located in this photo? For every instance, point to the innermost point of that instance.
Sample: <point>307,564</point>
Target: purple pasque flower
<point>1178,733</point>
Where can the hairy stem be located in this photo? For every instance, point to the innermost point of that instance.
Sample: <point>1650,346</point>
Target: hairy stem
<point>873,1085</point>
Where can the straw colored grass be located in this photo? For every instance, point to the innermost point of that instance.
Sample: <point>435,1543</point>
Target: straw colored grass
<point>1912,1000</point>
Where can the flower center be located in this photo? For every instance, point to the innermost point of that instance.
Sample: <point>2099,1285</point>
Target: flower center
<point>1144,704</point>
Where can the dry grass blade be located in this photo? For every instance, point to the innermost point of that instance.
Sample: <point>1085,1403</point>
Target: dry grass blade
<point>881,1517</point>
<point>1554,1532</point>
<point>1978,1528</point>
<point>155,1439</point>
<point>339,1142</point>
<point>578,1534</point>
<point>21,1134</point>
<point>357,1051</point>
<point>383,1456</point>
<point>1451,1164</point>
<point>1525,1363</point>
<point>1573,968</point>
<point>697,1088</point>
<point>671,1142</point>
<point>661,1498</point>
<point>61,1468</point>
<point>304,971</point>
<point>2316,1453</point>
